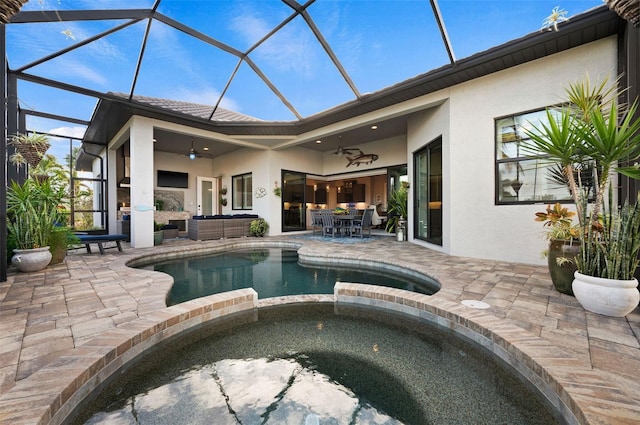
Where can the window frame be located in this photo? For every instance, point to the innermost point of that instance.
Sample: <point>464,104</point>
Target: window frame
<point>541,161</point>
<point>246,194</point>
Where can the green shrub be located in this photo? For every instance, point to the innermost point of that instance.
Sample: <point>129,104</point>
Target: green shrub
<point>259,227</point>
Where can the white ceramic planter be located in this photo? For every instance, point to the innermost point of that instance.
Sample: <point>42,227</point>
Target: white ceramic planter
<point>610,297</point>
<point>31,260</point>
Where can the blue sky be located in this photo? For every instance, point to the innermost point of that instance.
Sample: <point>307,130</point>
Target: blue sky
<point>379,43</point>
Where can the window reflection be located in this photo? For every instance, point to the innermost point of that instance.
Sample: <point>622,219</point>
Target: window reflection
<point>523,175</point>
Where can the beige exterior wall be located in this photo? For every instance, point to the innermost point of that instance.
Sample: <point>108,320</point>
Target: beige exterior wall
<point>473,225</point>
<point>423,128</point>
<point>174,162</point>
<point>390,152</point>
<point>464,117</point>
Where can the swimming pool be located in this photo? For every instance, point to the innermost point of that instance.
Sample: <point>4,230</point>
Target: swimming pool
<point>273,272</point>
<point>308,365</point>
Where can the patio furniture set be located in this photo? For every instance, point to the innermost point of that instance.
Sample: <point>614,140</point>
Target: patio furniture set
<point>353,223</point>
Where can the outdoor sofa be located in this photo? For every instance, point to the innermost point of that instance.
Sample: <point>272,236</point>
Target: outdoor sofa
<point>206,227</point>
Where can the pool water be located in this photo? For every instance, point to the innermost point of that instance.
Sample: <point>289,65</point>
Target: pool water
<point>308,365</point>
<point>271,272</point>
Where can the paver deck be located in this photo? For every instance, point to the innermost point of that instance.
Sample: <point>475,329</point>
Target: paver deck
<point>47,313</point>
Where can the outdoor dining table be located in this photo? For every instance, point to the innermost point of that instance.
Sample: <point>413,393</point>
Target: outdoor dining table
<point>345,221</point>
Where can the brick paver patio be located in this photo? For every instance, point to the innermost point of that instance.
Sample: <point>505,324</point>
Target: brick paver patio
<point>46,314</point>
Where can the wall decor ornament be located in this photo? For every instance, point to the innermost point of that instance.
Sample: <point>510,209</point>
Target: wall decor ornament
<point>261,192</point>
<point>356,156</point>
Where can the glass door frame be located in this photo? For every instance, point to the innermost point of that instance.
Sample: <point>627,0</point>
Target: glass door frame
<point>427,195</point>
<point>293,197</point>
<point>214,194</point>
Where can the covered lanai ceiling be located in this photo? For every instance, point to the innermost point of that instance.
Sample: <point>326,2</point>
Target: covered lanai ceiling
<point>281,67</point>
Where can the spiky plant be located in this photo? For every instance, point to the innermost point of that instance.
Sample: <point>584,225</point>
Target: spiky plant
<point>397,206</point>
<point>593,128</point>
<point>32,212</point>
<point>611,245</point>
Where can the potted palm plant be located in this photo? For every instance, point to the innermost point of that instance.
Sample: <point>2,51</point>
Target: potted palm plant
<point>594,132</point>
<point>32,213</point>
<point>397,207</point>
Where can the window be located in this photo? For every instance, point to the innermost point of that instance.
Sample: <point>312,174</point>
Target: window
<point>522,177</point>
<point>428,192</point>
<point>242,192</point>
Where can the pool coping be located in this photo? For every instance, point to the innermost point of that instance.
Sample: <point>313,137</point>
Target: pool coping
<point>52,392</point>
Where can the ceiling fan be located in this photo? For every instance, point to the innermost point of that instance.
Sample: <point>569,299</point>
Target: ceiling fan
<point>193,154</point>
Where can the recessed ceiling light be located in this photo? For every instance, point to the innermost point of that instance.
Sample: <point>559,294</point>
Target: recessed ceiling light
<point>154,140</point>
<point>318,141</point>
<point>374,127</point>
<point>205,148</point>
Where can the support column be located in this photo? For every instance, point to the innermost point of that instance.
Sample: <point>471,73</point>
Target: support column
<point>141,146</point>
<point>112,189</point>
<point>14,173</point>
<point>3,159</point>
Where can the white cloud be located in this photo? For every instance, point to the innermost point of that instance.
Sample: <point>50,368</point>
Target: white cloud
<point>204,96</point>
<point>88,4</point>
<point>73,68</point>
<point>77,132</point>
<point>288,50</point>
<point>165,49</point>
<point>249,27</point>
<point>101,48</point>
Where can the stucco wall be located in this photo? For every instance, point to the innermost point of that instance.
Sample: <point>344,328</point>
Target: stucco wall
<point>423,128</point>
<point>474,225</point>
<point>390,151</point>
<point>175,162</point>
<point>464,116</point>
<point>266,167</point>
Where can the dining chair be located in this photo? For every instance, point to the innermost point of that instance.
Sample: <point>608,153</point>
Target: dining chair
<point>316,221</point>
<point>329,224</point>
<point>359,225</point>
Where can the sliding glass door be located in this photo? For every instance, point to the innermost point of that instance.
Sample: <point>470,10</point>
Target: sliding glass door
<point>293,202</point>
<point>428,193</point>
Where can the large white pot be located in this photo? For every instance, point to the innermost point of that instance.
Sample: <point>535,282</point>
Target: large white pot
<point>611,297</point>
<point>31,260</point>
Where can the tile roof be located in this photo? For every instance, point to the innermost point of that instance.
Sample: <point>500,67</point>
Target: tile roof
<point>193,109</point>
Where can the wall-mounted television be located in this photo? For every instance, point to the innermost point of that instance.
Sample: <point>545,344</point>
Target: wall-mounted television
<point>173,179</point>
